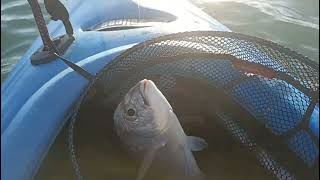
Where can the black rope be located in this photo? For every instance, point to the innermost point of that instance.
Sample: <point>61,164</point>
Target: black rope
<point>49,44</point>
<point>51,48</point>
<point>76,68</point>
<point>38,16</point>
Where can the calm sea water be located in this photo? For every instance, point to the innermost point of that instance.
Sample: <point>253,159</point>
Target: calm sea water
<point>292,23</point>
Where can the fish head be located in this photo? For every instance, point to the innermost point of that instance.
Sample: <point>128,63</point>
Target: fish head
<point>143,111</point>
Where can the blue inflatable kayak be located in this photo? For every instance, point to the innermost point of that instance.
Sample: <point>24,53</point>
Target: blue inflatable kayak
<point>37,99</point>
<point>32,106</point>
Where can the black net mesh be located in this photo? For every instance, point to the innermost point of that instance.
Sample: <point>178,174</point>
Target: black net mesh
<point>267,92</point>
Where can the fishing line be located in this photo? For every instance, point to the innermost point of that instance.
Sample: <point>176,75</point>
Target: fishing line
<point>76,68</point>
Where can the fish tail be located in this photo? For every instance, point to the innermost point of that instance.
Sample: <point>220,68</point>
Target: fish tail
<point>192,170</point>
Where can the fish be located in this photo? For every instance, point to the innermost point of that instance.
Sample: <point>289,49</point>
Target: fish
<point>149,129</point>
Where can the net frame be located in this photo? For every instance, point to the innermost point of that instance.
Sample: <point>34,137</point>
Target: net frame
<point>253,57</point>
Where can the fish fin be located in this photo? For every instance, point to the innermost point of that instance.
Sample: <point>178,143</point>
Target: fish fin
<point>192,170</point>
<point>196,143</point>
<point>147,161</point>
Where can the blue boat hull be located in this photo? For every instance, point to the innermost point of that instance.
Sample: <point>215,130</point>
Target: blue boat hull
<point>36,99</point>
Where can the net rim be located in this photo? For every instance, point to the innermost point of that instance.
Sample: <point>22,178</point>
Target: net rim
<point>126,53</point>
<point>226,34</point>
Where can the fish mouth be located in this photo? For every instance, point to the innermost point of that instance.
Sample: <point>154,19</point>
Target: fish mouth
<point>143,90</point>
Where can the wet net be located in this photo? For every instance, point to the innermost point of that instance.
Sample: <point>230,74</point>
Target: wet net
<point>254,91</point>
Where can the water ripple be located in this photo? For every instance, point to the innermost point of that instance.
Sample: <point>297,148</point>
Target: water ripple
<point>12,17</point>
<point>15,48</point>
<point>12,5</point>
<point>280,10</point>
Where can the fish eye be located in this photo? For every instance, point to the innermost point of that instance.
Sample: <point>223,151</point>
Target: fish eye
<point>131,112</point>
